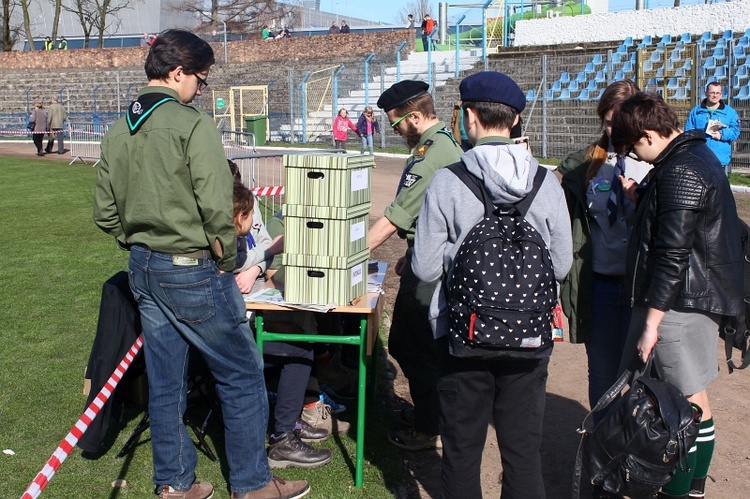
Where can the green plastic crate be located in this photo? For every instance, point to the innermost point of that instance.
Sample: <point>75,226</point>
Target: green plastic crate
<point>324,230</point>
<point>336,180</point>
<point>306,281</point>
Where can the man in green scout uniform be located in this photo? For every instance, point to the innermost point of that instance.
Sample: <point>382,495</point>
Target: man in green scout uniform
<point>411,112</point>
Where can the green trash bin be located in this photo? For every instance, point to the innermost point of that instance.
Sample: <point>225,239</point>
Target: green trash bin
<point>256,124</point>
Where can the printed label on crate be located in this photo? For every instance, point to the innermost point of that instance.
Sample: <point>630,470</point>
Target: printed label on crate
<point>359,180</point>
<point>357,232</point>
<point>358,273</point>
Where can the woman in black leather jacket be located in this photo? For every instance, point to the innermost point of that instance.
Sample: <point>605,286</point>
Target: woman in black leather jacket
<point>684,262</point>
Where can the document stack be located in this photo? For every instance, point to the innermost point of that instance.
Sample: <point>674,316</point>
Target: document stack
<point>326,219</point>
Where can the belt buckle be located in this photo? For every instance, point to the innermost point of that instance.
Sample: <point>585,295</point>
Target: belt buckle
<point>184,261</point>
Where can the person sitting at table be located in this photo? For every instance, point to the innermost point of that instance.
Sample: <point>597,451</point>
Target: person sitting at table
<point>288,443</point>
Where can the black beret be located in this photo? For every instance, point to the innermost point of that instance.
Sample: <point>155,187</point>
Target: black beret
<point>491,86</point>
<point>401,93</point>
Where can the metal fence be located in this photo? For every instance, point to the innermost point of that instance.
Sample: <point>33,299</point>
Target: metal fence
<point>85,141</point>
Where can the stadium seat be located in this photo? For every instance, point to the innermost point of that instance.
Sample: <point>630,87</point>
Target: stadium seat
<point>627,67</point>
<point>556,86</point>
<point>616,57</point>
<point>657,55</point>
<point>628,42</point>
<point>672,83</point>
<point>709,63</point>
<point>600,77</point>
<point>550,95</point>
<point>589,68</point>
<point>685,38</point>
<point>597,60</point>
<point>728,35</point>
<point>679,72</point>
<point>675,54</point>
<point>707,36</point>
<point>564,95</point>
<point>582,76</point>
<point>648,65</point>
<point>584,95</point>
<point>739,55</point>
<point>619,75</point>
<point>601,91</point>
<point>622,49</point>
<point>573,86</point>
<point>719,54</point>
<point>688,65</point>
<point>530,95</point>
<point>742,41</point>
<point>720,72</point>
<point>564,77</point>
<point>647,40</point>
<point>744,93</point>
<point>660,73</point>
<point>592,86</point>
<point>665,40</point>
<point>742,70</point>
<point>680,93</point>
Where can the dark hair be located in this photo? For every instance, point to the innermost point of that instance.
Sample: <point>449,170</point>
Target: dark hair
<point>712,84</point>
<point>235,171</point>
<point>177,47</point>
<point>492,114</point>
<point>641,112</point>
<point>612,98</point>
<point>422,103</point>
<point>243,202</point>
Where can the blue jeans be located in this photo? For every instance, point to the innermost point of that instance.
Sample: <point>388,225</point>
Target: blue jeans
<point>610,319</point>
<point>367,142</point>
<point>196,306</point>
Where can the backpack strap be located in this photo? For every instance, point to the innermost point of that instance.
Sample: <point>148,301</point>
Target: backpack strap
<point>480,190</point>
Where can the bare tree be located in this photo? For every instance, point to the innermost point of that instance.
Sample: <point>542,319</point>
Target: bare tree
<point>417,8</point>
<point>27,23</point>
<point>239,15</point>
<point>56,18</point>
<point>9,35</point>
<point>99,15</point>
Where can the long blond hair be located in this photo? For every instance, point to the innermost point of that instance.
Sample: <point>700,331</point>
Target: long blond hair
<point>612,98</point>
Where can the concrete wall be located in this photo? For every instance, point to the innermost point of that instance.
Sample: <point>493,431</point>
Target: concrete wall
<point>619,25</point>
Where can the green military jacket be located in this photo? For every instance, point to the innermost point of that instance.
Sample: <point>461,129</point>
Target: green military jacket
<point>168,186</point>
<point>437,148</point>
<point>576,289</point>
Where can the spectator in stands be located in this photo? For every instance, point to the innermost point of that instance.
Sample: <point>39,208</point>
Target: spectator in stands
<point>435,37</point>
<point>48,43</point>
<point>334,29</point>
<point>284,34</point>
<point>428,24</point>
<point>146,40</point>
<point>344,28</point>
<point>62,44</point>
<point>593,294</point>
<point>39,118</point>
<point>183,249</point>
<point>720,122</point>
<point>265,34</point>
<point>410,21</point>
<point>55,123</point>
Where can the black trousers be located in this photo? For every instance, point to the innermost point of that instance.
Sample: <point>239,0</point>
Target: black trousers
<point>512,393</point>
<point>294,363</point>
<point>413,346</point>
<point>38,139</point>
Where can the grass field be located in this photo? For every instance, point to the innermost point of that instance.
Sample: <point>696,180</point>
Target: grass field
<point>53,261</point>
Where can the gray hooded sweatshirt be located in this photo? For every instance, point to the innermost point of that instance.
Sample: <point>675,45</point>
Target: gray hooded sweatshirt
<point>450,211</point>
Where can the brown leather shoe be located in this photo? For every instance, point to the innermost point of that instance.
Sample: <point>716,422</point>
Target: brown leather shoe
<point>277,489</point>
<point>198,491</point>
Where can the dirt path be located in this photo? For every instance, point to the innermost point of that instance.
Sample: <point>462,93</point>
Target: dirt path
<point>567,403</point>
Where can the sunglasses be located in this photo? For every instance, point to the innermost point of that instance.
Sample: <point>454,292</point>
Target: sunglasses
<point>396,123</point>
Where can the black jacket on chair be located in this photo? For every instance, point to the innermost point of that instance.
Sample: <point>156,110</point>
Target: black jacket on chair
<point>118,328</point>
<point>685,249</point>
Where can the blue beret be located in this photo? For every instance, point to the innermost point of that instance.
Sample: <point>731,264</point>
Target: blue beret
<point>401,93</point>
<point>491,86</point>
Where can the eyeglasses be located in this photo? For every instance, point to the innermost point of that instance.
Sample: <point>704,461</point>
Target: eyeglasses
<point>201,82</point>
<point>395,123</point>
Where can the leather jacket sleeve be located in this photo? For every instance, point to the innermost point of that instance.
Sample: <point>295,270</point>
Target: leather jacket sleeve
<point>680,196</point>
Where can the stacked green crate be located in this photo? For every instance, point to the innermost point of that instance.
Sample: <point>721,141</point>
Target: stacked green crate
<point>326,219</point>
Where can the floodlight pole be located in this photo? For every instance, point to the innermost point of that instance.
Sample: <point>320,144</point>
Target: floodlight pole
<point>484,29</point>
<point>457,43</point>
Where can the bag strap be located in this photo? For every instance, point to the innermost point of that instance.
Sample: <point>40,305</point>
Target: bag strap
<point>730,333</point>
<point>627,377</point>
<point>479,190</point>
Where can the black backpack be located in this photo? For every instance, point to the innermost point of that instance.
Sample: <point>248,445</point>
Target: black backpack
<point>501,290</point>
<point>735,329</point>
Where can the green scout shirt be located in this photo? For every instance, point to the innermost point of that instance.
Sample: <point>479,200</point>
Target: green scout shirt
<point>168,187</point>
<point>437,148</point>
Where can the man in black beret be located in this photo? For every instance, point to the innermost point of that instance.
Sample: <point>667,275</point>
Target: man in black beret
<point>510,386</point>
<point>411,113</point>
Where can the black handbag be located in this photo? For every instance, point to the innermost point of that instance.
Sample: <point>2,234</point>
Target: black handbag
<point>639,443</point>
<point>31,126</point>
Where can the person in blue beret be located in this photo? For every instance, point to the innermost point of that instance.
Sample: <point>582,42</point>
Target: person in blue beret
<point>509,392</point>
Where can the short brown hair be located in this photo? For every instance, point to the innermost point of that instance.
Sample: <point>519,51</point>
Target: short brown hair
<point>243,202</point>
<point>422,103</point>
<point>641,112</point>
<point>492,114</point>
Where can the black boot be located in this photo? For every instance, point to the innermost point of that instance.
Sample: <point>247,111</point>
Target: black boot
<point>288,451</point>
<point>698,488</point>
<point>308,433</point>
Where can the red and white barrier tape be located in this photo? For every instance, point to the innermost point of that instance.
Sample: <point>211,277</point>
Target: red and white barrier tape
<point>71,439</point>
<point>275,190</point>
<point>72,132</point>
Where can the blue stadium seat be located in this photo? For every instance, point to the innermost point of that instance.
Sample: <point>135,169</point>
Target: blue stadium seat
<point>707,36</point>
<point>616,57</point>
<point>739,54</point>
<point>665,40</point>
<point>600,77</point>
<point>648,65</point>
<point>598,60</point>
<point>584,95</point>
<point>679,72</point>
<point>676,54</point>
<point>742,41</point>
<point>550,95</point>
<point>592,86</point>
<point>744,93</point>
<point>599,96</point>
<point>719,54</point>
<point>627,67</point>
<point>622,49</point>
<point>709,63</point>
<point>742,70</point>
<point>660,73</point>
<point>647,40</point>
<point>556,86</point>
<point>680,93</point>
<point>619,75</point>
<point>573,86</point>
<point>628,42</point>
<point>582,76</point>
<point>685,38</point>
<point>657,55</point>
<point>688,65</point>
<point>672,83</point>
<point>564,77</point>
<point>564,95</point>
<point>589,68</point>
<point>728,35</point>
<point>530,95</point>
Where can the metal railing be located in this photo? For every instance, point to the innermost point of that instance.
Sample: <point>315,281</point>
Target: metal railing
<point>85,141</point>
